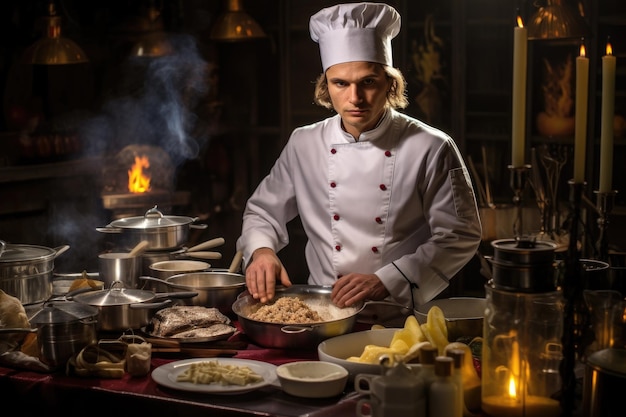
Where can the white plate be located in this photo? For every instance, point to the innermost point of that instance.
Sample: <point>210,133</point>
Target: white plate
<point>166,375</point>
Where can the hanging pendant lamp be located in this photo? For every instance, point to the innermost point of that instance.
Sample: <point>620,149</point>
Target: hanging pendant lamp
<point>52,48</point>
<point>236,25</point>
<point>557,20</point>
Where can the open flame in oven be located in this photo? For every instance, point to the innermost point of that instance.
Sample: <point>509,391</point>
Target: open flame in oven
<point>138,180</point>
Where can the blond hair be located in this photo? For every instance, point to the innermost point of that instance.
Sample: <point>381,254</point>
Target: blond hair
<point>396,96</point>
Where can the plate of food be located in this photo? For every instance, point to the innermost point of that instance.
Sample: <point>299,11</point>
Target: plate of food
<point>216,376</point>
<point>189,324</point>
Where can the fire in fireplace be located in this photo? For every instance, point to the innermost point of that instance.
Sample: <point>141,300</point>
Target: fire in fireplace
<point>137,178</point>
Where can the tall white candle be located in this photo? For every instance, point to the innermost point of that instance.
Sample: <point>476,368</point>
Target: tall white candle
<point>520,45</point>
<point>580,135</point>
<point>608,113</point>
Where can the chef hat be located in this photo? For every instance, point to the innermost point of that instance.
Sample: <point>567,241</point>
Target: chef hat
<point>355,32</point>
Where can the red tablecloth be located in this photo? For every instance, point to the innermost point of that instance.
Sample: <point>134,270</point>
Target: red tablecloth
<point>60,394</point>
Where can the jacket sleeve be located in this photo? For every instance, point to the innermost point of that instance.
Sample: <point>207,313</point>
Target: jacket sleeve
<point>268,210</point>
<point>451,212</point>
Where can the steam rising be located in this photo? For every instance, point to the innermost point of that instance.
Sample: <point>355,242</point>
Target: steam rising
<point>155,104</point>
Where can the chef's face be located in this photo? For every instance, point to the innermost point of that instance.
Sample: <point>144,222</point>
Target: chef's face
<point>358,91</point>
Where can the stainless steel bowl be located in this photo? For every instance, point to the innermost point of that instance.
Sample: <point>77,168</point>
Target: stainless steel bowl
<point>215,289</point>
<point>298,336</point>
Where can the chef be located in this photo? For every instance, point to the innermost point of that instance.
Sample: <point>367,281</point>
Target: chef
<point>385,200</point>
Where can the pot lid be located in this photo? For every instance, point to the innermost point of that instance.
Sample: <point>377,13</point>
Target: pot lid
<point>63,312</point>
<point>523,251</point>
<point>16,252</point>
<point>115,296</point>
<point>611,361</point>
<point>151,220</point>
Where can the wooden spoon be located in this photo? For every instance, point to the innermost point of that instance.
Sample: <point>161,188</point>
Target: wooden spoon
<point>139,249</point>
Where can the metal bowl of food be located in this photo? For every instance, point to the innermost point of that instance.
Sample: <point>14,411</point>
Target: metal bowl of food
<point>306,334</point>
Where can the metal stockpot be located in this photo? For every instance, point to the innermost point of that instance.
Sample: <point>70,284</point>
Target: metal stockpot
<point>26,271</point>
<point>524,265</point>
<point>300,336</point>
<point>160,231</point>
<point>120,308</point>
<point>63,329</point>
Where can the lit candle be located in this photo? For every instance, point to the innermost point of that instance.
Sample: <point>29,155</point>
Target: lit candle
<point>608,113</point>
<point>520,44</point>
<point>580,135</point>
<point>530,405</point>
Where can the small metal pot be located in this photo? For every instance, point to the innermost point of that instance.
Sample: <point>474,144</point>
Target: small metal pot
<point>524,265</point>
<point>301,336</point>
<point>26,271</point>
<point>215,289</point>
<point>122,308</point>
<point>119,266</point>
<point>160,231</point>
<point>63,329</point>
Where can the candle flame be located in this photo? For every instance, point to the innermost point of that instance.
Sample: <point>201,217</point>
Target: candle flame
<point>609,48</point>
<point>583,51</point>
<point>512,388</point>
<point>520,23</point>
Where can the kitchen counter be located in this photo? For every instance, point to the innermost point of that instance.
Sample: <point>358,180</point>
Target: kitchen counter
<point>54,394</point>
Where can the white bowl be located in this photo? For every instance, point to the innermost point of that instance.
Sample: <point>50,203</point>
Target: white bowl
<point>338,349</point>
<point>312,379</point>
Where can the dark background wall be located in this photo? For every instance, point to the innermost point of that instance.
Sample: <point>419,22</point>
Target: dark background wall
<point>222,111</point>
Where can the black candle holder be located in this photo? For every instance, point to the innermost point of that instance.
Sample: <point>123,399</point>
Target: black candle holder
<point>604,206</point>
<point>575,313</point>
<point>518,182</point>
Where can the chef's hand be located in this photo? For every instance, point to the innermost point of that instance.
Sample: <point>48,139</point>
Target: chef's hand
<point>263,272</point>
<point>353,288</point>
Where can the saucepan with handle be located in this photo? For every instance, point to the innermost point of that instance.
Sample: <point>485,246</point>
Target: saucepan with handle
<point>121,308</point>
<point>163,232</point>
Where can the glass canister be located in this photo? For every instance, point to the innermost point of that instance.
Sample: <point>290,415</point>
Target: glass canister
<point>521,353</point>
<point>522,333</point>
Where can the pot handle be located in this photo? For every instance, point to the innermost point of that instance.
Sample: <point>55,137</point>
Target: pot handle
<point>209,244</point>
<point>155,279</point>
<point>178,294</point>
<point>60,250</point>
<point>17,330</point>
<point>139,306</point>
<point>293,329</point>
<point>109,229</point>
<point>198,226</point>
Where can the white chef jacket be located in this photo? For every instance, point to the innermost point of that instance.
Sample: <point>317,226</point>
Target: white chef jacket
<point>398,203</point>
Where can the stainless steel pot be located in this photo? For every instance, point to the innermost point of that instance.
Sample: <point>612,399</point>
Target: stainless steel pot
<point>198,251</point>
<point>604,383</point>
<point>26,271</point>
<point>215,289</point>
<point>300,336</point>
<point>121,308</point>
<point>63,329</point>
<point>160,231</point>
<point>524,265</point>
